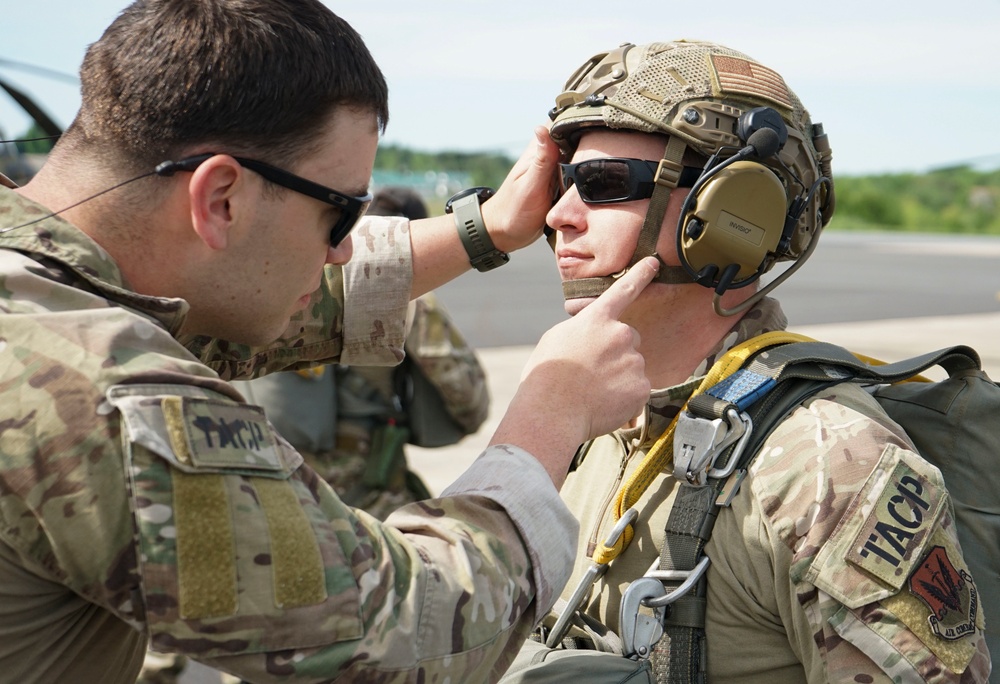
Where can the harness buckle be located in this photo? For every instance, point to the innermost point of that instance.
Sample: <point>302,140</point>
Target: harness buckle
<point>593,573</point>
<point>687,578</point>
<point>698,443</point>
<point>639,630</point>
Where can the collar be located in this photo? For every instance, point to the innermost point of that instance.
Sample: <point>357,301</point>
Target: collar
<point>665,403</point>
<point>55,239</point>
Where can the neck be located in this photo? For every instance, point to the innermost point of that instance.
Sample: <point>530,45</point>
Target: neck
<point>78,187</point>
<point>109,219</point>
<point>678,332</point>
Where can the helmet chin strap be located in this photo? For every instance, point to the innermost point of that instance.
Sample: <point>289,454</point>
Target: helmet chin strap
<point>579,288</point>
<point>668,174</point>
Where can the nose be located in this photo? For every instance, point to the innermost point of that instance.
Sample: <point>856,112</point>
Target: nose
<point>342,253</point>
<point>568,211</point>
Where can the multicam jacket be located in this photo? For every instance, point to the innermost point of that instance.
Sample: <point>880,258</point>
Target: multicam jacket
<point>351,423</point>
<point>141,499</point>
<point>788,600</point>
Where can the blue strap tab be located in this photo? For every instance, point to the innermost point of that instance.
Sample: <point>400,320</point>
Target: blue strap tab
<point>742,388</point>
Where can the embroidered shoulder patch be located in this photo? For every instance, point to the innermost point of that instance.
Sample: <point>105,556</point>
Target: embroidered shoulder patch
<point>949,592</point>
<point>216,434</point>
<point>896,530</point>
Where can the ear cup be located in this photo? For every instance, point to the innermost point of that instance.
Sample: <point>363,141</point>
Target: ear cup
<point>737,218</point>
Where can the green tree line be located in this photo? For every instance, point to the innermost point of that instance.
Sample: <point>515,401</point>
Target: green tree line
<point>35,141</point>
<point>953,200</point>
<point>950,200</point>
<point>483,168</point>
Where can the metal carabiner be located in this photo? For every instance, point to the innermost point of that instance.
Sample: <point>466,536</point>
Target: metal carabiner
<point>590,577</point>
<point>698,443</point>
<point>688,579</point>
<point>640,631</point>
<point>743,435</point>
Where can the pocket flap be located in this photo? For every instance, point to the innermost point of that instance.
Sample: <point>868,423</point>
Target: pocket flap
<point>198,431</point>
<point>884,533</point>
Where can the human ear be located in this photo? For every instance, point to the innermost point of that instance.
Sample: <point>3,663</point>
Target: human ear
<point>212,188</point>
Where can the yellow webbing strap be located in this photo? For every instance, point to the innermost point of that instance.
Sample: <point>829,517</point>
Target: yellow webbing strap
<point>661,454</point>
<point>311,373</point>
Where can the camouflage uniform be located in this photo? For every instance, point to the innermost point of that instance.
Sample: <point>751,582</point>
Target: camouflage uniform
<point>139,499</point>
<point>783,604</point>
<point>349,423</point>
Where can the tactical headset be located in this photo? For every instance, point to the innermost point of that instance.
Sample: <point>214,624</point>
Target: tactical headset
<point>764,193</point>
<point>740,218</point>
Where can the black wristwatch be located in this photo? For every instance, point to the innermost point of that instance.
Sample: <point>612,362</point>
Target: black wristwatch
<point>483,255</point>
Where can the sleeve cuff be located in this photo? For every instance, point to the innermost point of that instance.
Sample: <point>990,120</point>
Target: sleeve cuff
<point>377,285</point>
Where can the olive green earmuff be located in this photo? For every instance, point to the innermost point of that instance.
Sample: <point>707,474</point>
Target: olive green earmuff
<point>732,224</point>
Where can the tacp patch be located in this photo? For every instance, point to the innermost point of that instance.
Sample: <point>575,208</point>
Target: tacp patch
<point>895,531</point>
<point>217,434</point>
<point>949,592</point>
<point>930,624</point>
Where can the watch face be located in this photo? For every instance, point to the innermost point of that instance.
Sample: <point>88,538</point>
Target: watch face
<point>483,192</point>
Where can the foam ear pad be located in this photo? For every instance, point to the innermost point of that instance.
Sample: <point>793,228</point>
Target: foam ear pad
<point>736,218</point>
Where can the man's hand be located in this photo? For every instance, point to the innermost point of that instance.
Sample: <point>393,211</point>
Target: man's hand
<point>584,379</point>
<point>515,216</point>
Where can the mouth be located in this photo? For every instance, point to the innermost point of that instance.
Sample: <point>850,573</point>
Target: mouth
<point>569,261</point>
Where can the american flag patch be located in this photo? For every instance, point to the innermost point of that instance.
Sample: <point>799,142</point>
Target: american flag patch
<point>741,76</point>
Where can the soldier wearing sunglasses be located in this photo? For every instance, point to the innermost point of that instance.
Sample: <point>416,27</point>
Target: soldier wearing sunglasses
<point>700,155</point>
<point>195,225</point>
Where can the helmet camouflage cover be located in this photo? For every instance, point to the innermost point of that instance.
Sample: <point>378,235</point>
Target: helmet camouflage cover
<point>696,91</point>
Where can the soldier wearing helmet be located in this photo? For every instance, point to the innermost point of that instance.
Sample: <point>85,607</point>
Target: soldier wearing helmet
<point>706,158</point>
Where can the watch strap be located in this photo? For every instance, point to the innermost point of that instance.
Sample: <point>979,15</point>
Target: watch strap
<point>483,255</point>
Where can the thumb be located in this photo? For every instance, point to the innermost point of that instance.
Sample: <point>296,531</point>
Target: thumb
<point>546,152</point>
<point>624,291</point>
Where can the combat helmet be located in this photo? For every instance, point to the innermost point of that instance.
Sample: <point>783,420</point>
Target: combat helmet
<point>709,99</point>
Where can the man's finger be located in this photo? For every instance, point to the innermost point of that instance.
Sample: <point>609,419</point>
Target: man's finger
<point>625,290</point>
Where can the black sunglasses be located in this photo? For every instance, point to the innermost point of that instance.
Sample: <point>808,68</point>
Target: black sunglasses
<point>617,179</point>
<point>351,208</point>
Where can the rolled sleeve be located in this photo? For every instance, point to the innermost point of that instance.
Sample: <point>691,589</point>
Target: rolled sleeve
<point>515,480</point>
<point>377,284</point>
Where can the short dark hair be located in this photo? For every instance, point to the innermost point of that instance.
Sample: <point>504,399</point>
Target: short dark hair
<point>397,200</point>
<point>256,77</point>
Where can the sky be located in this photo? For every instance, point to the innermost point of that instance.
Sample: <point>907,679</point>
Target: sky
<point>900,86</point>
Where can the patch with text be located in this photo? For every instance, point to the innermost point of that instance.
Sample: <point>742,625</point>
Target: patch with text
<point>896,530</point>
<point>948,592</point>
<point>223,435</point>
